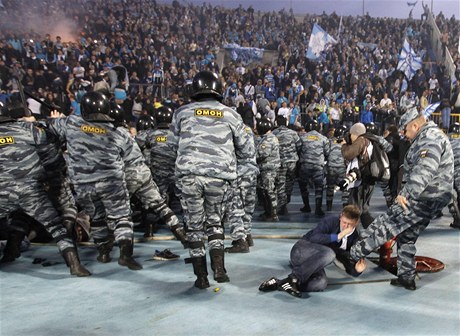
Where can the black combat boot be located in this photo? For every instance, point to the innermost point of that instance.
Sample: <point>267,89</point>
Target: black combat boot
<point>455,224</point>
<point>200,270</point>
<point>318,210</point>
<point>217,265</point>
<point>149,230</point>
<point>179,234</point>
<point>73,261</point>
<point>283,210</point>
<point>126,255</point>
<point>104,249</point>
<point>407,284</point>
<point>249,240</point>
<point>238,246</point>
<point>329,205</point>
<point>70,226</point>
<point>306,205</point>
<point>12,249</point>
<point>149,227</point>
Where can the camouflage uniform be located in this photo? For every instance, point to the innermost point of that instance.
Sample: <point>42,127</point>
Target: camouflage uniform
<point>163,151</point>
<point>268,159</point>
<point>57,181</point>
<point>140,183</point>
<point>95,169</point>
<point>243,200</point>
<point>312,159</point>
<point>21,171</point>
<point>427,185</point>
<point>290,144</point>
<point>211,137</point>
<point>455,142</point>
<point>141,139</point>
<point>335,172</point>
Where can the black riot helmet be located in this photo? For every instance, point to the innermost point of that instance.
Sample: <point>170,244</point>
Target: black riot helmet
<point>454,128</point>
<point>206,84</point>
<point>372,128</point>
<point>93,104</point>
<point>263,126</point>
<point>145,122</point>
<point>311,125</point>
<point>340,131</point>
<point>163,115</point>
<point>117,113</point>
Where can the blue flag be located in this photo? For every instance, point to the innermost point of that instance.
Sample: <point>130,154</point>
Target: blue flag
<point>409,62</point>
<point>428,111</point>
<point>319,42</point>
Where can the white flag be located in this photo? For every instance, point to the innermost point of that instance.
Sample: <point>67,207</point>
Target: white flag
<point>409,62</point>
<point>319,42</point>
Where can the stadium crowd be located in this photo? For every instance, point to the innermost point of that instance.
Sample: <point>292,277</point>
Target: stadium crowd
<point>163,44</point>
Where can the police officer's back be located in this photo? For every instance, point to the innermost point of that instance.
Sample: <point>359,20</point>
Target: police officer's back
<point>211,136</point>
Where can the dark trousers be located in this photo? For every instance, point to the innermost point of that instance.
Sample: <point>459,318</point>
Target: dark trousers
<point>308,261</point>
<point>361,196</point>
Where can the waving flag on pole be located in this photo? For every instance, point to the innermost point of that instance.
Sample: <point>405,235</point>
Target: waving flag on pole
<point>428,111</point>
<point>340,27</point>
<point>409,62</point>
<point>319,42</point>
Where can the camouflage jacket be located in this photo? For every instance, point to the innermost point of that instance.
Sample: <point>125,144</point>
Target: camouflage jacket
<point>314,149</point>
<point>211,137</point>
<point>289,142</point>
<point>268,152</point>
<point>95,149</point>
<point>428,166</point>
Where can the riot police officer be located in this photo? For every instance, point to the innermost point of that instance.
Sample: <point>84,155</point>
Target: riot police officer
<point>454,137</point>
<point>335,167</point>
<point>95,169</point>
<point>312,159</point>
<point>211,136</point>
<point>21,189</point>
<point>426,190</point>
<point>268,160</point>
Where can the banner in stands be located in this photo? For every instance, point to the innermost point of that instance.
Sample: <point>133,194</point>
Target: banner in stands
<point>245,55</point>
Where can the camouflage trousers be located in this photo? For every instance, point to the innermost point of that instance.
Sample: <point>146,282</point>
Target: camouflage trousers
<point>454,206</point>
<point>285,182</point>
<point>165,181</point>
<point>405,226</point>
<point>203,201</point>
<point>314,174</point>
<point>248,191</point>
<point>241,208</point>
<point>140,183</point>
<point>234,215</point>
<point>266,183</point>
<point>107,203</point>
<point>333,177</point>
<point>60,194</point>
<point>31,198</point>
